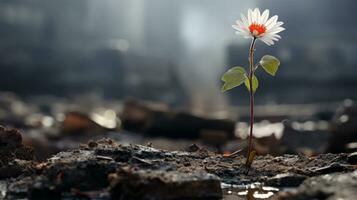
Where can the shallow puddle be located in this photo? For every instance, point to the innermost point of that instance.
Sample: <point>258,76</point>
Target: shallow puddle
<point>248,192</point>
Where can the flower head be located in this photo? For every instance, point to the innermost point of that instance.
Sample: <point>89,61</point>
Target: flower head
<point>259,26</point>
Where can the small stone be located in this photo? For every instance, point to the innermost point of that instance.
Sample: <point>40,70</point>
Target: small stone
<point>352,158</point>
<point>193,148</point>
<point>332,168</point>
<point>92,144</point>
<point>286,180</point>
<point>10,138</point>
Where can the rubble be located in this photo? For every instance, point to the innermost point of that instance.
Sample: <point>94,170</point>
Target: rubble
<point>343,128</point>
<point>15,158</point>
<point>164,185</point>
<point>286,180</point>
<point>157,121</point>
<point>330,186</point>
<point>105,169</point>
<point>115,168</point>
<point>352,158</point>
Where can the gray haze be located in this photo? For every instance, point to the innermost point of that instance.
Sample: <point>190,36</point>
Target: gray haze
<point>174,51</point>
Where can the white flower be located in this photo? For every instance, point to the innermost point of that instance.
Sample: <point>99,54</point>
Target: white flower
<point>259,26</point>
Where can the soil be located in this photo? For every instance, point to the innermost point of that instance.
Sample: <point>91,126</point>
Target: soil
<point>15,158</point>
<point>105,169</point>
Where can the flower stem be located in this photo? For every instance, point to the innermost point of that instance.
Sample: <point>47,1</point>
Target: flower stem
<point>251,98</point>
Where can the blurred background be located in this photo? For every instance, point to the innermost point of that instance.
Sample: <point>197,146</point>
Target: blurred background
<point>131,65</point>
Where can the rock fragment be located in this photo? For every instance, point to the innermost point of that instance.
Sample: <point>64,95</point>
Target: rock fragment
<point>330,186</point>
<point>15,158</point>
<point>144,184</point>
<point>285,180</point>
<point>352,158</point>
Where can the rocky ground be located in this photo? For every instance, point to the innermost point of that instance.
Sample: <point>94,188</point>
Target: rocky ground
<point>104,169</point>
<point>177,155</point>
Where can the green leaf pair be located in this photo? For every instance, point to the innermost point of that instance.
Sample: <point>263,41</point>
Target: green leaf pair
<point>255,83</point>
<point>236,76</point>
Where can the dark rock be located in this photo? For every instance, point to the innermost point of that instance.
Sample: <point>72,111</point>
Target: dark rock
<point>331,186</point>
<point>84,172</point>
<point>80,123</point>
<point>352,158</point>
<point>15,168</point>
<point>92,144</point>
<point>10,138</point>
<point>15,158</point>
<point>17,189</point>
<point>295,141</point>
<point>343,128</point>
<point>161,121</point>
<point>333,167</point>
<point>43,190</point>
<point>286,180</point>
<point>141,184</point>
<point>193,148</point>
<point>39,187</point>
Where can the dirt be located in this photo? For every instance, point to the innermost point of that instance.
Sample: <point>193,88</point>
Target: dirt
<point>105,169</point>
<point>164,185</point>
<point>15,158</point>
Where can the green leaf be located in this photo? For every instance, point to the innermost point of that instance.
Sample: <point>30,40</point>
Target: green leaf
<point>255,83</point>
<point>270,64</point>
<point>233,78</point>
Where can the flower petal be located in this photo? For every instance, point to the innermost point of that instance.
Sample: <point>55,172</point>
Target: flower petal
<point>271,21</point>
<point>250,13</point>
<point>257,15</point>
<point>240,24</point>
<point>266,41</point>
<point>265,16</point>
<point>276,30</point>
<point>244,20</point>
<point>277,24</point>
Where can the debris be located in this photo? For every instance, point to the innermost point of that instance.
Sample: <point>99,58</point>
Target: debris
<point>134,170</point>
<point>330,186</point>
<point>144,184</point>
<point>352,158</point>
<point>343,128</point>
<point>15,158</point>
<point>333,167</point>
<point>161,121</point>
<point>286,180</point>
<point>79,123</point>
<point>193,148</point>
